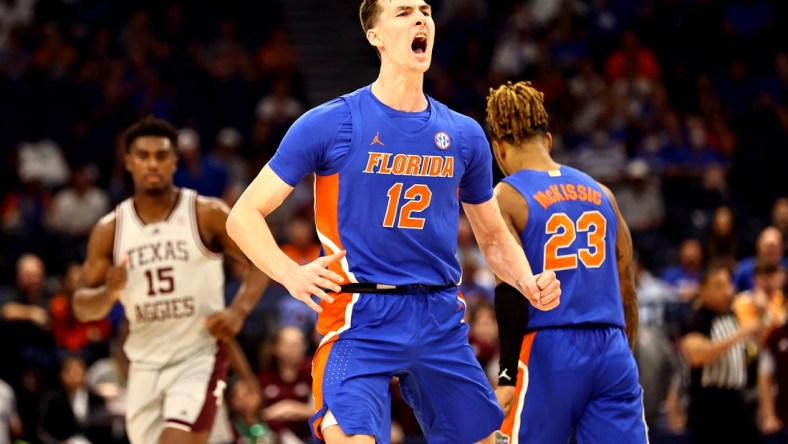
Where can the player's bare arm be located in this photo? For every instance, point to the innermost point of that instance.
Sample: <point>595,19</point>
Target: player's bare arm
<point>626,273</point>
<point>211,221</point>
<point>506,258</point>
<point>246,226</point>
<point>101,281</point>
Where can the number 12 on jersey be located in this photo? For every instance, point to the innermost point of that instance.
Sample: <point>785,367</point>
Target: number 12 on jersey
<point>418,198</point>
<point>564,233</point>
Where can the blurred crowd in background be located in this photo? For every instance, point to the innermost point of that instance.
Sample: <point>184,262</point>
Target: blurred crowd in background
<point>680,106</point>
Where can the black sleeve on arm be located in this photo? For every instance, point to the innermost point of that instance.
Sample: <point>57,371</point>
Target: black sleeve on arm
<point>511,310</point>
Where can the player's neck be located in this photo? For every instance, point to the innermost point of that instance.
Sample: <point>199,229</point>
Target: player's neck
<point>531,157</point>
<point>400,91</point>
<point>153,208</point>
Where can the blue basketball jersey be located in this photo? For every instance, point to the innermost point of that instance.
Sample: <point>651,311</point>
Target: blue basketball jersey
<point>389,193</point>
<point>572,230</point>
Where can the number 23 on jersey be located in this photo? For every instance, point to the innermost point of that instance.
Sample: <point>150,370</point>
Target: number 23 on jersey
<point>564,233</point>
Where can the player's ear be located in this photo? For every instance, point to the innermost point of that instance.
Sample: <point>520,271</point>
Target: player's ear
<point>127,161</point>
<point>374,38</point>
<point>498,150</point>
<point>549,141</point>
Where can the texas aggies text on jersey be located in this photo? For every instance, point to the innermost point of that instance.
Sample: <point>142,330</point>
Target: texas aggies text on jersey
<point>174,282</point>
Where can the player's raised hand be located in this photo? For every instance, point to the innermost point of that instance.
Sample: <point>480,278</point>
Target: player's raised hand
<point>527,286</point>
<point>549,290</point>
<point>313,279</point>
<point>117,277</point>
<point>225,324</point>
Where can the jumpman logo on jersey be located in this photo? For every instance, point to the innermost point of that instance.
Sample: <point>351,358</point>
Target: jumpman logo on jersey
<point>377,139</point>
<point>504,375</point>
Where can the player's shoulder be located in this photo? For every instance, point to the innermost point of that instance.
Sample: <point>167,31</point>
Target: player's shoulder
<point>509,199</point>
<point>104,230</point>
<point>211,205</point>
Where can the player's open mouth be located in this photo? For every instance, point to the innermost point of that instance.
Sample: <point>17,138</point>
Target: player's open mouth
<point>419,45</point>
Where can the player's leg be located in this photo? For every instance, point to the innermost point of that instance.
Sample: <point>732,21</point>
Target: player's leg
<point>143,406</point>
<point>194,390</point>
<point>615,412</point>
<point>552,387</point>
<point>351,390</point>
<point>333,433</point>
<point>447,388</point>
<point>351,372</point>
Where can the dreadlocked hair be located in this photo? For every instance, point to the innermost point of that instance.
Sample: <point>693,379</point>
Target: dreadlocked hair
<point>516,112</point>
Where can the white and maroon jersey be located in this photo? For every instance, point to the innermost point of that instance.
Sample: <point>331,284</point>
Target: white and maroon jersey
<point>174,282</point>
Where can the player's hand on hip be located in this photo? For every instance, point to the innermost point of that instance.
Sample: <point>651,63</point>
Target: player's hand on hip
<point>117,277</point>
<point>225,324</point>
<point>315,278</point>
<point>549,290</point>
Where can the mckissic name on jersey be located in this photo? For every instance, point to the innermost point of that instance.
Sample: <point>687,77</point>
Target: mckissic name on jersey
<point>174,282</point>
<point>389,184</point>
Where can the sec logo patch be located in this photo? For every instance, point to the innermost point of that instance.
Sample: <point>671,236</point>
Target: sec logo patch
<point>442,140</point>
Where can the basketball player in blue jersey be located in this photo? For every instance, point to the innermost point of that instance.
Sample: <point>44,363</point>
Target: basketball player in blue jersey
<point>392,166</point>
<point>159,254</point>
<point>574,362</point>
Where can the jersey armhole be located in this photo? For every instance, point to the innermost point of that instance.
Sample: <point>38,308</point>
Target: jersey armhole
<point>340,165</point>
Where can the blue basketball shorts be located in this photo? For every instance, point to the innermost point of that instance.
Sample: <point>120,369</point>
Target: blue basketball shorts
<point>419,338</point>
<point>582,379</point>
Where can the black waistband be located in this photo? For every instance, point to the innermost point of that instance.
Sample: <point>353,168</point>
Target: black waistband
<point>394,289</point>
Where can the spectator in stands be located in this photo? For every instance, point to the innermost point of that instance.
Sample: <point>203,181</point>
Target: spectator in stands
<point>602,157</point>
<point>75,210</point>
<point>89,340</point>
<point>769,246</point>
<point>300,244</point>
<point>684,276</point>
<point>71,412</point>
<point>780,217</point>
<point>227,155</point>
<point>286,381</point>
<point>29,300</point>
<point>722,240</point>
<point>246,415</point>
<point>22,215</point>
<point>483,336</point>
<point>657,366</point>
<point>640,199</point>
<point>653,296</point>
<point>195,171</point>
<point>632,58</point>
<point>715,348</point>
<point>764,302</point>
